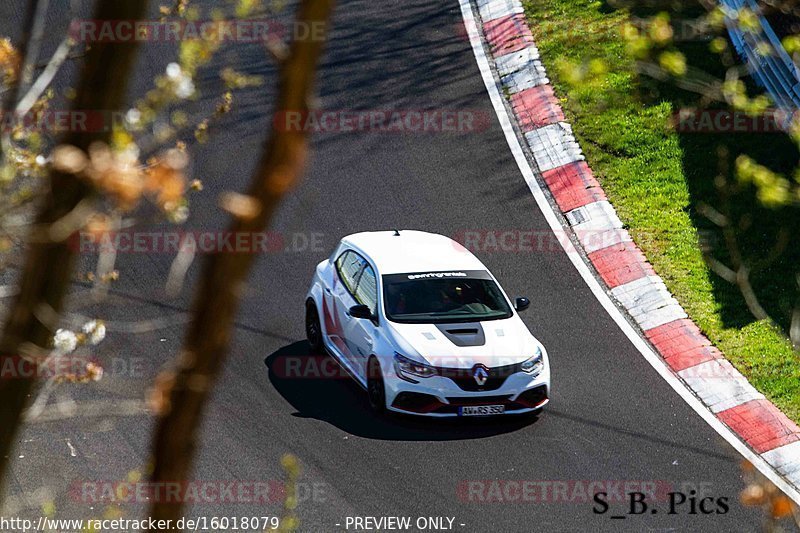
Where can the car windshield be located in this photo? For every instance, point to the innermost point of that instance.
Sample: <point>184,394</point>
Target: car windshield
<point>440,297</point>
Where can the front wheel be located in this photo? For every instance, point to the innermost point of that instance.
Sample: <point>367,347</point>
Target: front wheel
<point>313,329</point>
<point>375,387</point>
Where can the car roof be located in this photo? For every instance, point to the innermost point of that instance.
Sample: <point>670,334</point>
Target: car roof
<point>412,251</point>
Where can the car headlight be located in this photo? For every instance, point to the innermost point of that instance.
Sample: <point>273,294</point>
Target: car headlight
<point>535,364</point>
<point>405,366</point>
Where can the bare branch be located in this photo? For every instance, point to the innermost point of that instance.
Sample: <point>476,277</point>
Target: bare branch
<point>48,266</point>
<point>180,396</point>
<point>34,43</point>
<point>46,77</point>
<point>98,409</point>
<point>697,81</point>
<point>719,268</point>
<point>717,218</point>
<point>10,96</point>
<point>781,242</point>
<point>739,273</point>
<point>750,298</point>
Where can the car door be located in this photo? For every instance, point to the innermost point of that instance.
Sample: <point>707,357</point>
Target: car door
<point>348,268</point>
<point>361,332</point>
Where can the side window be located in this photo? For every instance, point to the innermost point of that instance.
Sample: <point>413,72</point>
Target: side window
<point>367,289</point>
<point>348,266</point>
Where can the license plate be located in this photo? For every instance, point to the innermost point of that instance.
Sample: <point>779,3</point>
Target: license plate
<point>481,410</point>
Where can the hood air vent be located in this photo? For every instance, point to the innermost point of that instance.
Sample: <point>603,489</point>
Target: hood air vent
<point>469,334</point>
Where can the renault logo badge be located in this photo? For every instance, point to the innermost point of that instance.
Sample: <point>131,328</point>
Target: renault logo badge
<point>480,374</point>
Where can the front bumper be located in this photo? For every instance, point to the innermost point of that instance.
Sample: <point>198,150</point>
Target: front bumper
<point>439,396</point>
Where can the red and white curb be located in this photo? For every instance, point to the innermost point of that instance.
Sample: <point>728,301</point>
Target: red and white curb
<point>687,359</point>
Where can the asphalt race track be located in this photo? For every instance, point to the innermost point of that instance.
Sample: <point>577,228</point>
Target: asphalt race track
<point>612,418</point>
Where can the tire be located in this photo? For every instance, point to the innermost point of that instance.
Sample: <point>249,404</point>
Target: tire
<point>313,329</point>
<point>376,391</point>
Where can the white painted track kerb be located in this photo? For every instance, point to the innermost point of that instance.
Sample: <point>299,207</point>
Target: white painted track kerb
<point>599,292</point>
<point>493,9</point>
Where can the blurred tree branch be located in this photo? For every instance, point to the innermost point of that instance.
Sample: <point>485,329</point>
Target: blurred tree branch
<point>12,92</point>
<point>29,326</point>
<point>739,271</point>
<point>180,396</point>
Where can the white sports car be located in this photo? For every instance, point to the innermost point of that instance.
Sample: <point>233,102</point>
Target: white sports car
<point>421,324</point>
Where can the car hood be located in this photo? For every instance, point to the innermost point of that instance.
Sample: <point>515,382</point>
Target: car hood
<point>463,345</point>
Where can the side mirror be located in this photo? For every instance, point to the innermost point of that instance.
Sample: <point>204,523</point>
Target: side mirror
<point>521,304</point>
<point>360,311</point>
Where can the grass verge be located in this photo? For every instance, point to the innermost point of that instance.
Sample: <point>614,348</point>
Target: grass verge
<point>656,178</point>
